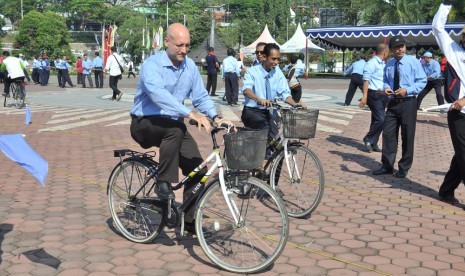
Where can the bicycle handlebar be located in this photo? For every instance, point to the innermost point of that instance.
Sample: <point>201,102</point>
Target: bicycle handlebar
<point>215,128</point>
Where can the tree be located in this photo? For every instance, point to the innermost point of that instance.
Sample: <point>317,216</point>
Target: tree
<point>86,10</point>
<point>12,9</point>
<point>43,33</point>
<point>132,31</point>
<point>118,14</point>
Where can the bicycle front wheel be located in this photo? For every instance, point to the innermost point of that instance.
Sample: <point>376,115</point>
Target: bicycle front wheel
<point>256,240</point>
<point>16,91</point>
<point>299,179</point>
<point>138,221</point>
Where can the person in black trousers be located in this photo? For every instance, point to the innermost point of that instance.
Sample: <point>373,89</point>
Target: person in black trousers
<point>231,76</point>
<point>433,72</point>
<point>212,71</point>
<point>356,79</point>
<point>372,86</point>
<point>454,78</point>
<point>403,79</point>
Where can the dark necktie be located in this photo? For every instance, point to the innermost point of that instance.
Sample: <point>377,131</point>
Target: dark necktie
<point>268,90</point>
<point>396,76</point>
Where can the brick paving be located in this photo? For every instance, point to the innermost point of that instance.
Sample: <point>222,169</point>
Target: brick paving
<point>365,224</point>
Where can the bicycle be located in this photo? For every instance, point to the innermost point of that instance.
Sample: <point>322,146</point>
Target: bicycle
<point>17,94</point>
<point>241,223</point>
<point>300,182</point>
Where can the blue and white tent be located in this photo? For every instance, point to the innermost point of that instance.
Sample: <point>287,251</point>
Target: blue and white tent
<point>364,37</point>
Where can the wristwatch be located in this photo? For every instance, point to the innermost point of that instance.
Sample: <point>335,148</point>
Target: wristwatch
<point>217,116</point>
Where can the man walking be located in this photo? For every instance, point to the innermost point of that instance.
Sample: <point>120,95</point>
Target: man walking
<point>231,76</point>
<point>433,73</point>
<point>212,71</point>
<point>455,85</point>
<point>373,95</point>
<point>97,65</point>
<point>87,70</point>
<point>356,80</point>
<point>403,79</point>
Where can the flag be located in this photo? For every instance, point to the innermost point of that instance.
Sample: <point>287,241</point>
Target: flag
<point>27,120</point>
<point>112,35</point>
<point>15,147</point>
<point>160,38</point>
<point>104,46</point>
<point>154,38</point>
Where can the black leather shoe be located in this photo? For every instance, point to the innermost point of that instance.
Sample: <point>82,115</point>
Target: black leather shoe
<point>401,174</point>
<point>163,190</point>
<point>376,148</point>
<point>382,171</point>
<point>368,146</point>
<point>449,199</point>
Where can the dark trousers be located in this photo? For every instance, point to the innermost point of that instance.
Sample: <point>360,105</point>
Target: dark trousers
<point>114,85</point>
<point>35,75</point>
<point>7,83</point>
<point>256,118</point>
<point>89,79</point>
<point>79,78</point>
<point>65,78</point>
<point>178,149</point>
<point>432,84</point>
<point>296,93</point>
<point>376,102</point>
<point>43,77</point>
<point>98,74</point>
<point>211,83</point>
<point>60,77</point>
<point>456,173</point>
<point>231,86</point>
<point>26,74</point>
<point>131,73</point>
<point>403,115</point>
<point>355,81</point>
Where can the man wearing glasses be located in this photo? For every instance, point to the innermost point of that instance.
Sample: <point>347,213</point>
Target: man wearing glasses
<point>259,53</point>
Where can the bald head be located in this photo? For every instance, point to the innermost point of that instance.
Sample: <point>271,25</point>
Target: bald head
<point>178,43</point>
<point>381,48</point>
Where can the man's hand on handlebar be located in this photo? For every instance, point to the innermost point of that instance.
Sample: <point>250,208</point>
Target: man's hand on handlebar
<point>201,121</point>
<point>265,102</point>
<point>223,122</point>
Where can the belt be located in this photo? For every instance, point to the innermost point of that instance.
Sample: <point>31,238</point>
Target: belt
<point>400,100</point>
<point>181,119</point>
<point>374,91</point>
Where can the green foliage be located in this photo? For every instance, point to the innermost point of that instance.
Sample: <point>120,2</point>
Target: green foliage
<point>118,14</point>
<point>132,30</point>
<point>12,8</point>
<point>83,11</point>
<point>43,33</point>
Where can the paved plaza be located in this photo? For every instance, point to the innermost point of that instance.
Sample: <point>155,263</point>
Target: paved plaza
<point>365,224</point>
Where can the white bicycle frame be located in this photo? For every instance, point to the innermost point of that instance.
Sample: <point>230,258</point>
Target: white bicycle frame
<point>286,157</point>
<point>227,194</point>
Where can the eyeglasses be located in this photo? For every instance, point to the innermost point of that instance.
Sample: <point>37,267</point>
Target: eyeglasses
<point>259,52</point>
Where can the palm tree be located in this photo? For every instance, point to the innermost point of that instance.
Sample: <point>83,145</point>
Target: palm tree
<point>396,11</point>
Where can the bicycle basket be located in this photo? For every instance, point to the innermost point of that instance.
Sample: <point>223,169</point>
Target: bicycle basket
<point>300,124</point>
<point>245,150</point>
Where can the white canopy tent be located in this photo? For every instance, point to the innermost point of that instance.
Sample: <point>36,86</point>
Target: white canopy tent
<point>299,42</point>
<point>264,37</point>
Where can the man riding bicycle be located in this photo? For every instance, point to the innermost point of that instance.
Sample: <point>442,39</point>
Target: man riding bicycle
<point>166,80</point>
<point>14,71</point>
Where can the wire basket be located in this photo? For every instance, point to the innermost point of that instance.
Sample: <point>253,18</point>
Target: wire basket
<point>245,149</point>
<point>300,124</point>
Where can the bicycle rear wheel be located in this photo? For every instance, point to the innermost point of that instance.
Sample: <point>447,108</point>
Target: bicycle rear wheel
<point>299,179</point>
<point>16,91</point>
<point>138,221</point>
<point>261,234</point>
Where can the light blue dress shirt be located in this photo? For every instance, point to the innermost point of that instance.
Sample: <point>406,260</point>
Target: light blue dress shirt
<point>37,64</point>
<point>432,69</point>
<point>355,68</point>
<point>57,64</point>
<point>98,62</point>
<point>411,73</point>
<point>373,73</point>
<point>299,68</point>
<point>254,80</point>
<point>230,66</point>
<point>65,65</point>
<point>87,66</point>
<point>162,89</point>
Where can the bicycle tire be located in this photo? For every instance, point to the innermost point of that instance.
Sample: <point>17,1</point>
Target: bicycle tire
<point>300,200</point>
<point>16,91</point>
<point>253,244</point>
<point>138,222</point>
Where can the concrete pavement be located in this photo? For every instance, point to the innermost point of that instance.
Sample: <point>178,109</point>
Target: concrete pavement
<point>365,224</point>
